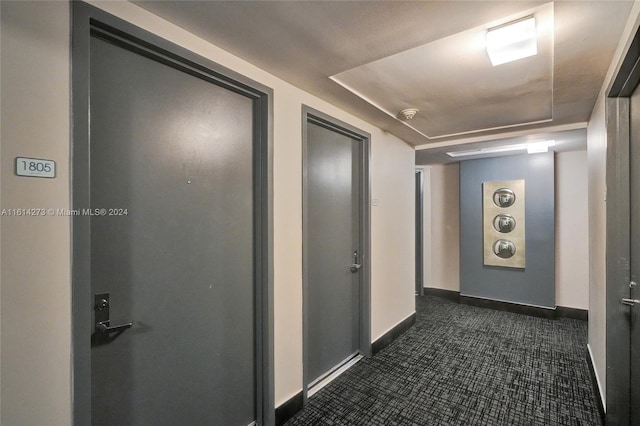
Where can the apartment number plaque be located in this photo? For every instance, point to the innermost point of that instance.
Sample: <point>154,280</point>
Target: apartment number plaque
<point>35,167</point>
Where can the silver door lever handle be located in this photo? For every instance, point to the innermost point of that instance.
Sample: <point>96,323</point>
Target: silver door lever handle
<point>355,266</point>
<point>630,302</point>
<point>105,328</point>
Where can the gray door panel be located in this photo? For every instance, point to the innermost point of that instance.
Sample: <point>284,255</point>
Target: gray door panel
<point>333,220</point>
<point>176,152</point>
<point>419,233</point>
<point>634,170</point>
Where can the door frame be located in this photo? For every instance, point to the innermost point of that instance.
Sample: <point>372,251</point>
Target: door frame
<point>88,20</point>
<point>618,238</point>
<point>419,192</point>
<point>310,115</point>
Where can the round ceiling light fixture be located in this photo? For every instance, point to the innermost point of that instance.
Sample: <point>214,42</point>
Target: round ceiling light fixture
<point>408,113</point>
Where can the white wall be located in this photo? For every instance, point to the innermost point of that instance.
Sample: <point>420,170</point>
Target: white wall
<point>35,259</point>
<point>445,228</point>
<point>572,230</point>
<point>596,153</point>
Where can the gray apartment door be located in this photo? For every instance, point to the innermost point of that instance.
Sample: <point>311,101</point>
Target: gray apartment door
<point>634,309</point>
<point>172,244</point>
<point>419,233</point>
<point>333,249</point>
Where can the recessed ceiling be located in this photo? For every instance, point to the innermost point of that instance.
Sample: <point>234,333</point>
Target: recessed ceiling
<point>308,42</point>
<point>454,87</point>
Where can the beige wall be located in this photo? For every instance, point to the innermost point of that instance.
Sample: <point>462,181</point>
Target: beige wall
<point>596,153</point>
<point>393,238</point>
<point>444,207</point>
<point>572,230</point>
<point>35,262</point>
<point>35,259</point>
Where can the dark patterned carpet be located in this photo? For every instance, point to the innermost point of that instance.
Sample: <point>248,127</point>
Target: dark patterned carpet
<point>462,365</point>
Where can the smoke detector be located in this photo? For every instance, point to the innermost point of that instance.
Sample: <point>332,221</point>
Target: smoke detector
<point>408,113</point>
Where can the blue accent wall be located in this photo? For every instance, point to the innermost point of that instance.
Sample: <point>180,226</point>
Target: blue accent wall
<point>534,285</point>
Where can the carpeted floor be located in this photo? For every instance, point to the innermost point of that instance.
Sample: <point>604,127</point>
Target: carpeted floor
<point>462,365</point>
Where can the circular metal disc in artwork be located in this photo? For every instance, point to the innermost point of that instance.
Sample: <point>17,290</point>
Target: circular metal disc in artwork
<point>504,223</point>
<point>504,197</point>
<point>504,249</point>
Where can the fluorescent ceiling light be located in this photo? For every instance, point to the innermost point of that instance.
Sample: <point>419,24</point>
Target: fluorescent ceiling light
<point>490,150</point>
<point>534,148</point>
<point>512,41</point>
<point>531,148</point>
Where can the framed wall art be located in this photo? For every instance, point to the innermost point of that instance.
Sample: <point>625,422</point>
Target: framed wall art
<point>504,223</point>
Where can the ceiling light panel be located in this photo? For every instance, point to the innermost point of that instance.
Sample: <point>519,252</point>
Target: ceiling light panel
<point>531,148</point>
<point>537,147</point>
<point>513,41</point>
<point>489,150</point>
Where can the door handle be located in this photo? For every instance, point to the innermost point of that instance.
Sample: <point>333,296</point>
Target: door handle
<point>105,328</point>
<point>355,266</point>
<point>630,302</point>
<point>102,322</point>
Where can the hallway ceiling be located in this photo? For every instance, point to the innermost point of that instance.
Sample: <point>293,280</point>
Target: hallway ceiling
<point>374,58</point>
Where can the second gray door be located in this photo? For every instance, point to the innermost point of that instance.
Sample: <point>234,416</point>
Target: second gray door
<point>634,293</point>
<point>333,249</point>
